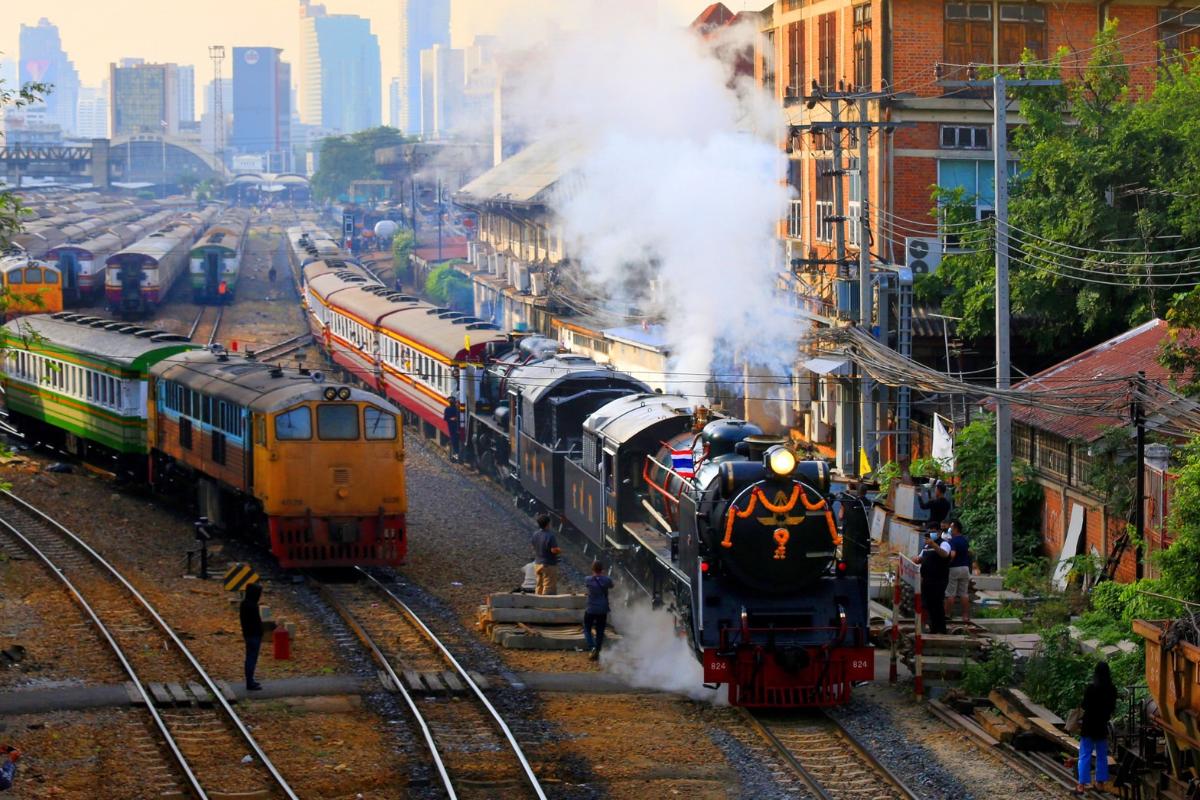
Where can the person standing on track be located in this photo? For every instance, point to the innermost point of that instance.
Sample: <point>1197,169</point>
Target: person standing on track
<point>252,632</point>
<point>9,756</point>
<point>959,585</point>
<point>451,418</point>
<point>595,615</point>
<point>1099,703</point>
<point>545,556</point>
<point>935,571</point>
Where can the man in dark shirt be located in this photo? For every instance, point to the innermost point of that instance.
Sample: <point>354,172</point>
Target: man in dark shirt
<point>959,584</point>
<point>450,415</point>
<point>595,615</point>
<point>545,556</point>
<point>252,632</point>
<point>938,507</point>
<point>935,567</point>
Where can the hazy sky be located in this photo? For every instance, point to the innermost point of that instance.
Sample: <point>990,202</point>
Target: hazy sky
<point>97,32</point>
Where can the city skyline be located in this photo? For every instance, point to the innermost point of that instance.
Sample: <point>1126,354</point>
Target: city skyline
<point>96,35</point>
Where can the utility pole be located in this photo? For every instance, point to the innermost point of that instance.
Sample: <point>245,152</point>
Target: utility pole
<point>1139,500</point>
<point>866,389</point>
<point>999,86</point>
<point>856,422</point>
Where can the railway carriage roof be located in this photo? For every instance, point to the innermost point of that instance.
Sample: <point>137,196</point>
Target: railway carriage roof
<point>439,330</point>
<point>72,332</point>
<point>539,378</point>
<point>625,417</point>
<point>256,385</point>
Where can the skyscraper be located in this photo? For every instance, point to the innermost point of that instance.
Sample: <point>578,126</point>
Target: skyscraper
<point>92,116</point>
<point>423,23</point>
<point>185,86</point>
<point>143,97</point>
<point>43,61</point>
<point>340,71</point>
<point>262,104</point>
<point>442,84</point>
<point>208,121</point>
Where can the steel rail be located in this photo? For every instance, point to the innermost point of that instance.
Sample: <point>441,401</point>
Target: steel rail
<point>812,781</point>
<point>383,661</point>
<point>196,323</point>
<point>530,777</point>
<point>212,337</point>
<point>159,723</point>
<point>284,347</point>
<point>209,683</point>
<point>1032,768</point>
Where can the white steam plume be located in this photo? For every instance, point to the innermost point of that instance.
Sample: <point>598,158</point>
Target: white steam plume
<point>682,186</point>
<point>651,654</point>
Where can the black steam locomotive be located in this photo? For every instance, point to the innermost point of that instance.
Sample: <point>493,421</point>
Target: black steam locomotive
<point>763,567</point>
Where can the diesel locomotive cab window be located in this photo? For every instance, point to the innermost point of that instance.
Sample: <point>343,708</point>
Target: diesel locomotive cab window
<point>379,424</point>
<point>294,424</point>
<point>337,422</point>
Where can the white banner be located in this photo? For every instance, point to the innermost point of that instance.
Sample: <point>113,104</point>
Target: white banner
<point>943,444</point>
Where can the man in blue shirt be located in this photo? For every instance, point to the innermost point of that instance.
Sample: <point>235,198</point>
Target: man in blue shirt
<point>595,615</point>
<point>959,583</point>
<point>545,556</point>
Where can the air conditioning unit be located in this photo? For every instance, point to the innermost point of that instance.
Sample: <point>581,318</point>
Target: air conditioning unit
<point>511,274</point>
<point>521,277</point>
<point>537,284</point>
<point>473,252</point>
<point>500,265</point>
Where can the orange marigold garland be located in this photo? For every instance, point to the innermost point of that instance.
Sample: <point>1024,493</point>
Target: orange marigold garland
<point>798,495</point>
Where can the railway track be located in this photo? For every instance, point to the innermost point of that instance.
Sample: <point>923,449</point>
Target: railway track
<point>183,748</point>
<point>281,349</point>
<point>827,758</point>
<point>474,753</point>
<point>207,324</point>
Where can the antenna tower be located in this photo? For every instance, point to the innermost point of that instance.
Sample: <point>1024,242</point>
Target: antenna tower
<point>216,52</point>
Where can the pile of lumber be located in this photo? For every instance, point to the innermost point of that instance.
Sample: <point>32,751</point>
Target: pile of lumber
<point>534,622</point>
<point>1015,719</point>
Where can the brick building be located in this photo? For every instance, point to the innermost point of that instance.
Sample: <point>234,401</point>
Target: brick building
<point>894,47</point>
<point>1061,447</point>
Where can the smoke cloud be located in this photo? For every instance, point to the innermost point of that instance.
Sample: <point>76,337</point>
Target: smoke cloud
<point>652,654</point>
<point>673,212</point>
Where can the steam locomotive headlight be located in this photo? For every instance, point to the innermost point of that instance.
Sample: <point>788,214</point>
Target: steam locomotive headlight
<point>780,461</point>
<point>330,393</point>
<point>343,393</point>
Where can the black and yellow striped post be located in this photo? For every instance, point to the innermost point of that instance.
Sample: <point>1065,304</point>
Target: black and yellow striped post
<point>239,577</point>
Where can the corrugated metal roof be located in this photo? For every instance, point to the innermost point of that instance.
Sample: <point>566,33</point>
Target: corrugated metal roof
<point>1120,357</point>
<point>528,177</point>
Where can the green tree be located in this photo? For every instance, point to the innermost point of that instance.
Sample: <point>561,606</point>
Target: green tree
<point>403,244</point>
<point>975,496</point>
<point>448,287</point>
<point>10,206</point>
<point>1106,177</point>
<point>345,159</point>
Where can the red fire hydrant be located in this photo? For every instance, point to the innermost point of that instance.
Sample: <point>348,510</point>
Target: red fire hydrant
<point>283,644</point>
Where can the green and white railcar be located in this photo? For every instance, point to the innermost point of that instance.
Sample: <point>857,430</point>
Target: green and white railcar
<point>80,382</point>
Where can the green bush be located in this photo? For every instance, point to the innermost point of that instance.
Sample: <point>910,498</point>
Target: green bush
<point>998,669</point>
<point>1031,579</point>
<point>1058,672</point>
<point>885,475</point>
<point>448,287</point>
<point>1051,612</point>
<point>1101,625</point>
<point>1108,597</point>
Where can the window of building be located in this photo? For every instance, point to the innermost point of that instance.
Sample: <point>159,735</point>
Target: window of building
<point>1052,454</point>
<point>1022,27</point>
<point>379,424</point>
<point>795,60</point>
<point>294,424</point>
<point>827,51</point>
<point>968,33</point>
<point>854,206</point>
<point>824,202</point>
<point>795,220</point>
<point>862,47</point>
<point>975,178</point>
<point>966,137</point>
<point>768,61</point>
<point>337,422</point>
<point>1180,31</point>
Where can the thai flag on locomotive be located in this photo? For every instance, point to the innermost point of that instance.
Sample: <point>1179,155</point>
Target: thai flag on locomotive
<point>681,462</point>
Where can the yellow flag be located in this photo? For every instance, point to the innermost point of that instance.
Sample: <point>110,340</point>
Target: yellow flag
<point>467,341</point>
<point>864,465</point>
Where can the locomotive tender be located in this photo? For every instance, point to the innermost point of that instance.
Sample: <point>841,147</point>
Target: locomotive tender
<point>763,565</point>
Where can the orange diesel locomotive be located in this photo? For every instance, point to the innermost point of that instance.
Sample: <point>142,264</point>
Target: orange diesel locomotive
<point>313,468</point>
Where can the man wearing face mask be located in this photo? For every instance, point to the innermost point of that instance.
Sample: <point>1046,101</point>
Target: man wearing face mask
<point>935,572</point>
